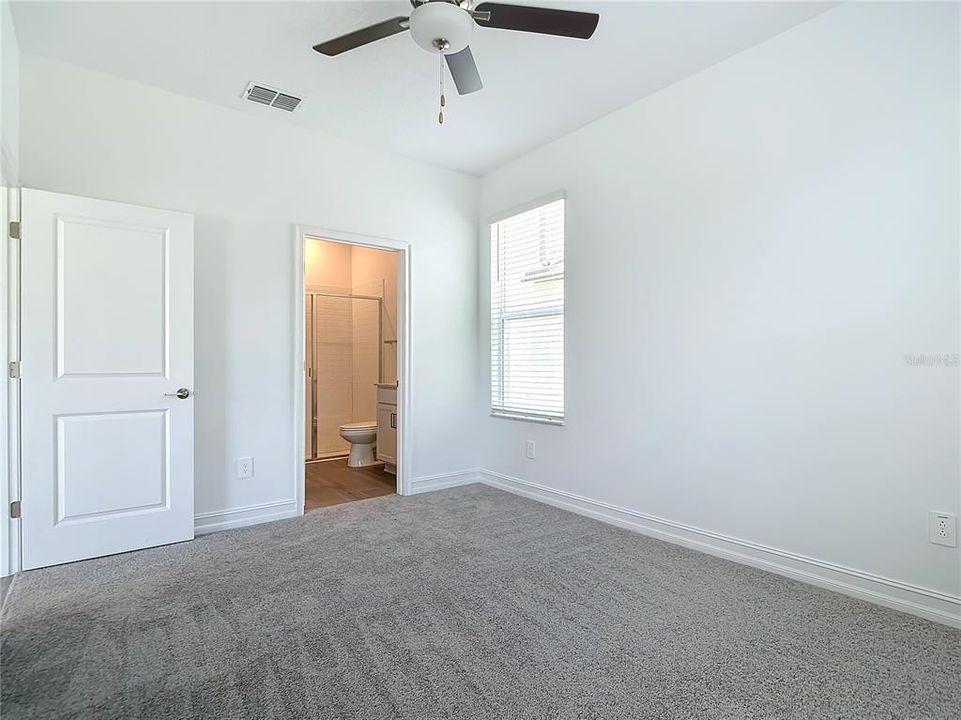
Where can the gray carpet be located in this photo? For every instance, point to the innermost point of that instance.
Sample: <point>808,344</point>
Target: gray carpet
<point>465,603</point>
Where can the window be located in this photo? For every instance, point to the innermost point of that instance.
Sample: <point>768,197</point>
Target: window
<point>527,314</point>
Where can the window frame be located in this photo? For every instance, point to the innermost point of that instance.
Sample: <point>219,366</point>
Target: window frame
<point>521,314</point>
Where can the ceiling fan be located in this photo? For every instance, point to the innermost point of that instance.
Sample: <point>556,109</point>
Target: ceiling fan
<point>445,26</point>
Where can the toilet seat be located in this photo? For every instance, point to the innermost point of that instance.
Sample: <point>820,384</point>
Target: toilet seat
<point>366,425</point>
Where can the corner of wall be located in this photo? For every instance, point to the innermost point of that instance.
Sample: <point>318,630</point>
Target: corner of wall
<point>9,99</point>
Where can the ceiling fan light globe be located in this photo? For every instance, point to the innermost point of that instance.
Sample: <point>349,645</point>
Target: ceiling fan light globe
<point>437,21</point>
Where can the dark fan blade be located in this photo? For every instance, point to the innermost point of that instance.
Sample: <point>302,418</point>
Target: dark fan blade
<point>566,23</point>
<point>363,36</point>
<point>464,71</point>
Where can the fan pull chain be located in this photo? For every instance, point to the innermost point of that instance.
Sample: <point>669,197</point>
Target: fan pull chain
<point>443,100</point>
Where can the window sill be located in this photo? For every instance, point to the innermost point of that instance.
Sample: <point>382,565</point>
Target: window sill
<point>559,422</point>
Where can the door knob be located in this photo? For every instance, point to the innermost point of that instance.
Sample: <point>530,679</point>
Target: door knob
<point>182,393</point>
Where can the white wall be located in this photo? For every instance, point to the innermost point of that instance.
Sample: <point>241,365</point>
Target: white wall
<point>9,98</point>
<point>327,266</point>
<point>247,180</point>
<point>751,253</point>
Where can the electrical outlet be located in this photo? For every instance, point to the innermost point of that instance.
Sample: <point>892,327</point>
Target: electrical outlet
<point>943,528</point>
<point>245,467</point>
<point>530,450</point>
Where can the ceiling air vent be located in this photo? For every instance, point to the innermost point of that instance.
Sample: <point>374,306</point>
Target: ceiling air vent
<point>286,102</point>
<point>270,96</point>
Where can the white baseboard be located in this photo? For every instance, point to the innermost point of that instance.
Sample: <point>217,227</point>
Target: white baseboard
<point>916,600</point>
<point>923,602</point>
<point>265,512</point>
<point>240,517</point>
<point>446,480</point>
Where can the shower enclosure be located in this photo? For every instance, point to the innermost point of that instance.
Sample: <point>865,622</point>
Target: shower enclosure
<point>344,349</point>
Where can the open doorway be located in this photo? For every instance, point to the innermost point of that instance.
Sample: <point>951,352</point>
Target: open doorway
<point>352,322</point>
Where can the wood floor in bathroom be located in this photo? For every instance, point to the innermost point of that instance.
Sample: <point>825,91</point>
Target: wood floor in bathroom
<point>332,482</point>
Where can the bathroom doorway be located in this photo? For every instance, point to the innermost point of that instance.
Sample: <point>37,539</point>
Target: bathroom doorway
<point>353,307</point>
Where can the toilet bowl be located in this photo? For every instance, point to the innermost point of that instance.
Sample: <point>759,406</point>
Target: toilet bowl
<point>362,437</point>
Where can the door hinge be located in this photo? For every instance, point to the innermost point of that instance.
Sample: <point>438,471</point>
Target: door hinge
<point>15,229</point>
<point>13,370</point>
<point>15,509</point>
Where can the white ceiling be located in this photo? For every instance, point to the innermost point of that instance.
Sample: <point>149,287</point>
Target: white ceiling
<point>386,94</point>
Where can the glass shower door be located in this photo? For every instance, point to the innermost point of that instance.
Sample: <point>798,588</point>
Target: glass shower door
<point>343,365</point>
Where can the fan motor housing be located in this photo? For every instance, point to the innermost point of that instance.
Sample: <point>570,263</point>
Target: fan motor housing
<point>441,27</point>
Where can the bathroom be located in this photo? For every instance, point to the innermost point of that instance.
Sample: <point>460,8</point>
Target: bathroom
<point>350,332</point>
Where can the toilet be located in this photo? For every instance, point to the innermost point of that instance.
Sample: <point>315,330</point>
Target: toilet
<point>362,437</point>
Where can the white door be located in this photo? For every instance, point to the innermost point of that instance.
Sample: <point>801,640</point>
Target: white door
<point>106,337</point>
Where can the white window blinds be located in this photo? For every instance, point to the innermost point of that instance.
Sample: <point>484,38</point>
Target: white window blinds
<point>527,314</point>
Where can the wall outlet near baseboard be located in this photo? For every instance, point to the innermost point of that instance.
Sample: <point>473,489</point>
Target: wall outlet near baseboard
<point>245,467</point>
<point>531,450</point>
<point>943,528</point>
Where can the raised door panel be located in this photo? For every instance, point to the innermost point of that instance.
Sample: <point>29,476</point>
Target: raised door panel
<point>111,464</point>
<point>111,270</point>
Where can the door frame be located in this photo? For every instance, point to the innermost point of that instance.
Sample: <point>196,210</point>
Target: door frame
<point>10,390</point>
<point>302,233</point>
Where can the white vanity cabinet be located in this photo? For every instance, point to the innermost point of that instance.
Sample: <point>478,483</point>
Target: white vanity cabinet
<point>387,426</point>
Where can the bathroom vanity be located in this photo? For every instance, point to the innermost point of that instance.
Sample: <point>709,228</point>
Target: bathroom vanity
<point>387,425</point>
